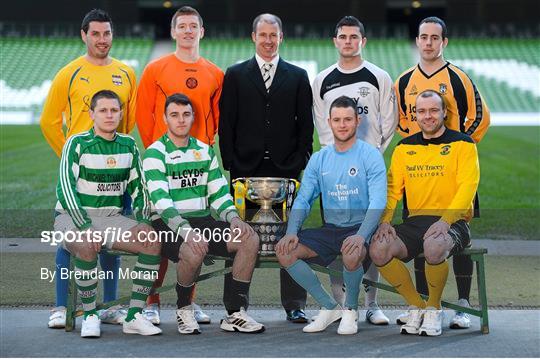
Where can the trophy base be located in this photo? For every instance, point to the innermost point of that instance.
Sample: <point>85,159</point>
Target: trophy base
<point>269,235</point>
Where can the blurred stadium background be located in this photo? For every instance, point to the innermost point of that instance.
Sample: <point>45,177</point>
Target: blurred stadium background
<point>497,42</point>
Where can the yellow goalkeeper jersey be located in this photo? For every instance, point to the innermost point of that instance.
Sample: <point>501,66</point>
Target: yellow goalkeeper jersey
<point>467,111</point>
<point>70,94</point>
<point>440,177</point>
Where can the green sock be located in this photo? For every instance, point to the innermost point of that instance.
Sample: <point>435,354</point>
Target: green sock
<point>86,279</point>
<point>147,268</point>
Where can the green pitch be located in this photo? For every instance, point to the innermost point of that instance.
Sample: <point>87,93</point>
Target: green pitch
<point>509,188</point>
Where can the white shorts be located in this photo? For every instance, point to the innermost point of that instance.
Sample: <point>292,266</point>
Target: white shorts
<point>115,225</point>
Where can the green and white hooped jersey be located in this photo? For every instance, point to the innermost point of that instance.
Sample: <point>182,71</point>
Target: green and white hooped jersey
<point>185,182</point>
<point>94,175</point>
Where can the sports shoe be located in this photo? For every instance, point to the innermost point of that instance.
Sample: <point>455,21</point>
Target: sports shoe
<point>349,322</point>
<point>57,319</point>
<point>113,315</point>
<point>432,325</point>
<point>414,321</point>
<point>140,325</point>
<point>200,316</point>
<point>241,322</point>
<point>375,316</point>
<point>297,316</point>
<point>91,327</point>
<point>460,320</point>
<point>324,319</point>
<point>403,318</point>
<point>151,313</point>
<point>186,321</point>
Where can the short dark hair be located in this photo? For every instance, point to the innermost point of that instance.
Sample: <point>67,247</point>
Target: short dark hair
<point>104,94</point>
<point>343,102</point>
<point>432,93</point>
<point>95,15</point>
<point>179,99</point>
<point>268,18</point>
<point>186,10</point>
<point>350,21</point>
<point>434,20</point>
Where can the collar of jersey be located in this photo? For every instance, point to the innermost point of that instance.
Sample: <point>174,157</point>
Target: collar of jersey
<point>192,144</point>
<point>435,141</point>
<point>98,137</point>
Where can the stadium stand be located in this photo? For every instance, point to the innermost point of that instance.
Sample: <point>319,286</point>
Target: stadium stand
<point>505,70</point>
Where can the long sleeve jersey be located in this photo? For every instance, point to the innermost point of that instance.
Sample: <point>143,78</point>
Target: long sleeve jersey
<point>94,175</point>
<point>352,185</point>
<point>186,182</point>
<point>70,94</point>
<point>467,112</point>
<point>200,81</point>
<point>372,90</point>
<point>439,176</point>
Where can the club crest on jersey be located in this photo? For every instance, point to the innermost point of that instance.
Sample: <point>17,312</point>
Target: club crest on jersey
<point>352,171</point>
<point>191,82</point>
<point>111,162</point>
<point>363,91</point>
<point>445,150</point>
<point>442,88</point>
<point>117,80</point>
<point>414,91</point>
<point>197,155</point>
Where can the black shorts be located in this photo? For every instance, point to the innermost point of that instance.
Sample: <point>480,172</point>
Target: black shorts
<point>412,230</point>
<point>170,247</point>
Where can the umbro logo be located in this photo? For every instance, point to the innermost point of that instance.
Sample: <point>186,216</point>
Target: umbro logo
<point>410,153</point>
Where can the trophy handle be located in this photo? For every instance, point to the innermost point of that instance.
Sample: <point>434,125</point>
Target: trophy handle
<point>292,189</point>
<point>240,196</point>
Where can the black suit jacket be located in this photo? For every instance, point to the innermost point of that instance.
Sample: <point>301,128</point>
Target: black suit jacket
<point>253,120</point>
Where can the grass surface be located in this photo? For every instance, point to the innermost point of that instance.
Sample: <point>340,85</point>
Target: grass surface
<point>517,284</point>
<point>509,187</point>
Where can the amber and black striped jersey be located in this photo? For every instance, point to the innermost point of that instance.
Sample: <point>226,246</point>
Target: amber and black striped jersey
<point>439,175</point>
<point>467,111</point>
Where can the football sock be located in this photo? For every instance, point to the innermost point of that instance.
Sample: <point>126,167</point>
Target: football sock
<point>395,272</point>
<point>352,286</point>
<point>301,272</point>
<point>62,261</point>
<point>371,292</point>
<point>239,296</point>
<point>147,268</point>
<point>463,270</point>
<point>183,295</point>
<point>163,265</point>
<point>436,275</point>
<point>420,275</point>
<point>86,279</point>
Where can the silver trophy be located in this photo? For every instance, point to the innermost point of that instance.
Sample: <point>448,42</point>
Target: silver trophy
<point>266,191</point>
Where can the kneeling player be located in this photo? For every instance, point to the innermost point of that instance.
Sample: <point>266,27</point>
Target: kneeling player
<point>185,182</point>
<point>438,170</point>
<point>351,178</point>
<point>96,168</point>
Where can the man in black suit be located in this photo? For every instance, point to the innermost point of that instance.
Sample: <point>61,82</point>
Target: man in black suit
<point>266,125</point>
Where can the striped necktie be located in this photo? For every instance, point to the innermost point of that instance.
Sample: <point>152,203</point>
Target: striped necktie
<point>267,76</point>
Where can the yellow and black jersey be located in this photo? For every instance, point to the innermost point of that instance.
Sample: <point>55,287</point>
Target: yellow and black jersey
<point>439,175</point>
<point>70,94</point>
<point>467,111</point>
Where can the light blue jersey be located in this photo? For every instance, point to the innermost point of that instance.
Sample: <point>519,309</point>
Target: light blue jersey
<point>352,185</point>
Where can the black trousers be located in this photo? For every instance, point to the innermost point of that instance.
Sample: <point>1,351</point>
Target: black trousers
<point>293,296</point>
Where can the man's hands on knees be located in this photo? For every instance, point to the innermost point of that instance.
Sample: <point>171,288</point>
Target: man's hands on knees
<point>238,225</point>
<point>196,242</point>
<point>353,244</point>
<point>436,229</point>
<point>385,232</point>
<point>287,244</point>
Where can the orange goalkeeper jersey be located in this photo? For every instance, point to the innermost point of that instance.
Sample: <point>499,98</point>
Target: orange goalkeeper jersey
<point>467,111</point>
<point>200,81</point>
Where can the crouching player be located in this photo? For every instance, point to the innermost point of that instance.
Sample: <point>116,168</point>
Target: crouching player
<point>438,170</point>
<point>185,182</point>
<point>351,178</point>
<point>96,168</point>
